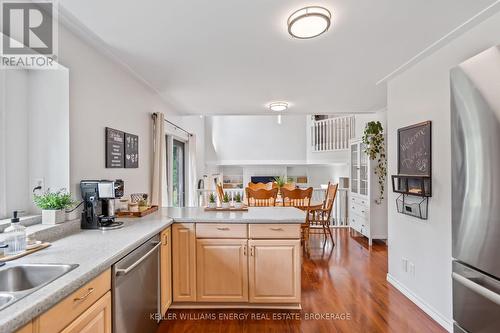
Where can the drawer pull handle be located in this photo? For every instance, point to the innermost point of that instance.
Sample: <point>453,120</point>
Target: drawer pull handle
<point>276,229</point>
<point>81,298</point>
<point>245,250</point>
<point>252,250</point>
<point>223,228</point>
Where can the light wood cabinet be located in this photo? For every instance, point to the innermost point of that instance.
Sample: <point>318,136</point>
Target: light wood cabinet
<point>184,262</point>
<point>222,270</point>
<point>65,312</point>
<point>166,270</point>
<point>28,328</point>
<point>274,271</point>
<point>96,319</point>
<point>236,264</point>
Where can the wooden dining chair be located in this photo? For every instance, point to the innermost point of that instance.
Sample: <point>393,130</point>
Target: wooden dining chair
<point>320,218</point>
<point>297,197</point>
<point>220,193</point>
<point>262,197</point>
<point>261,186</point>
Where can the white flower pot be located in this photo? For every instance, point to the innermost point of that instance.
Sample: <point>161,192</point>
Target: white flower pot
<point>52,216</point>
<point>212,205</point>
<point>238,205</point>
<point>226,205</point>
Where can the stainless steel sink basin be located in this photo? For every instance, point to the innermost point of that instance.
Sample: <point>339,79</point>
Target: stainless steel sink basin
<point>20,280</point>
<point>24,277</point>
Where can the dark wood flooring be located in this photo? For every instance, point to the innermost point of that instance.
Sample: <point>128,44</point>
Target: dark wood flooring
<point>344,289</point>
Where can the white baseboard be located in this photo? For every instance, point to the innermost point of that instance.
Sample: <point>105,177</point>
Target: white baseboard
<point>438,317</point>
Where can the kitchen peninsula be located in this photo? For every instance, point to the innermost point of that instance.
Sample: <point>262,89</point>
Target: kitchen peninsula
<point>208,260</point>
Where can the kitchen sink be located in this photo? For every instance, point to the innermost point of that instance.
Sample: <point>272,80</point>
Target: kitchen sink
<point>20,280</point>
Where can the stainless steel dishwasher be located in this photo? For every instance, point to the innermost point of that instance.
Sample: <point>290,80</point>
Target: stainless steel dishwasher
<point>136,289</point>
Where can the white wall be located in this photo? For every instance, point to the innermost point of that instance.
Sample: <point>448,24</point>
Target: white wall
<point>103,94</point>
<point>15,142</point>
<point>48,129</point>
<point>255,139</point>
<point>423,93</point>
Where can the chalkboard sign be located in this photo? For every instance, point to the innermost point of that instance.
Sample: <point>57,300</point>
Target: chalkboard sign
<point>414,150</point>
<point>114,148</point>
<point>131,151</point>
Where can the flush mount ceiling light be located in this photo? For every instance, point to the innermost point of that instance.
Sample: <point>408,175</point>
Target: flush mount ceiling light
<point>309,22</point>
<point>278,106</point>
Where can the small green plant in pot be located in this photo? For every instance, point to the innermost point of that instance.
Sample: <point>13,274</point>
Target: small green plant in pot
<point>225,201</point>
<point>53,205</point>
<point>280,181</point>
<point>237,201</point>
<point>211,201</point>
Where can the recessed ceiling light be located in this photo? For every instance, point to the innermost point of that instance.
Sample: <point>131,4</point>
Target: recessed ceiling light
<point>309,22</point>
<point>278,106</point>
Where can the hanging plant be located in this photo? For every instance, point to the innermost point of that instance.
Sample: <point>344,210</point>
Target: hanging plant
<point>373,138</point>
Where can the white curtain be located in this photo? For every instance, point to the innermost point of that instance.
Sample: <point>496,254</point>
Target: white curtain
<point>158,177</point>
<point>192,196</point>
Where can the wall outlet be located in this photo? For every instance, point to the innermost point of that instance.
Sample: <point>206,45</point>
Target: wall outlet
<point>404,263</point>
<point>411,269</point>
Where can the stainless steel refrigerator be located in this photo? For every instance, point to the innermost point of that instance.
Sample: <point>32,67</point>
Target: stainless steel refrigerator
<point>475,140</point>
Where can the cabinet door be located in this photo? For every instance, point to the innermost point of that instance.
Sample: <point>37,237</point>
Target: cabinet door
<point>222,270</point>
<point>184,262</point>
<point>28,328</point>
<point>96,319</point>
<point>355,168</point>
<point>166,270</point>
<point>363,170</point>
<point>274,271</point>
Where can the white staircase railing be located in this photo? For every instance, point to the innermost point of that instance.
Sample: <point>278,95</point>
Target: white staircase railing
<point>332,134</point>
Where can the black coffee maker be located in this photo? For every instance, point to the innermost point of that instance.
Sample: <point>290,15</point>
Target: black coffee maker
<point>99,203</point>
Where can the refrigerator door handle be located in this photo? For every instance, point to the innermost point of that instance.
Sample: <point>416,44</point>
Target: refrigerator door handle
<point>477,288</point>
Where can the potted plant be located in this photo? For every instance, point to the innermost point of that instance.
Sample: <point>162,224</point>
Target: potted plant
<point>225,201</point>
<point>211,201</point>
<point>280,181</point>
<point>53,205</point>
<point>374,140</point>
<point>237,201</point>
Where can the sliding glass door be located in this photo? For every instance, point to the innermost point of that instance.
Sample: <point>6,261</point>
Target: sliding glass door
<point>178,173</point>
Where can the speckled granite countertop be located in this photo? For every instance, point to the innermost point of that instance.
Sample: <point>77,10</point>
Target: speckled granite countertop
<point>254,215</point>
<point>95,251</point>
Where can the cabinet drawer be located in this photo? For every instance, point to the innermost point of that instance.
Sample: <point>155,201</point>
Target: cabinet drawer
<point>358,223</point>
<point>217,230</point>
<point>274,231</point>
<point>359,209</point>
<point>359,201</point>
<point>62,314</point>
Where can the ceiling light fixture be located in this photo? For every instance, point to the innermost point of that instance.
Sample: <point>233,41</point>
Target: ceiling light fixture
<point>309,22</point>
<point>278,106</point>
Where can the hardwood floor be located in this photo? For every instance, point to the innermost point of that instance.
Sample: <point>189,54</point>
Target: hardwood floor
<point>347,283</point>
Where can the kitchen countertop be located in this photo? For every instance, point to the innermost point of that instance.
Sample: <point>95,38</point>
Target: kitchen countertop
<point>96,251</point>
<point>254,215</point>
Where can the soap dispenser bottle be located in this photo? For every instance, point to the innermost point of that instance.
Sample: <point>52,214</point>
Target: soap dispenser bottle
<point>15,237</point>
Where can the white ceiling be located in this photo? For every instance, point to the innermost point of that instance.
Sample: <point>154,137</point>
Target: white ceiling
<point>234,56</point>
